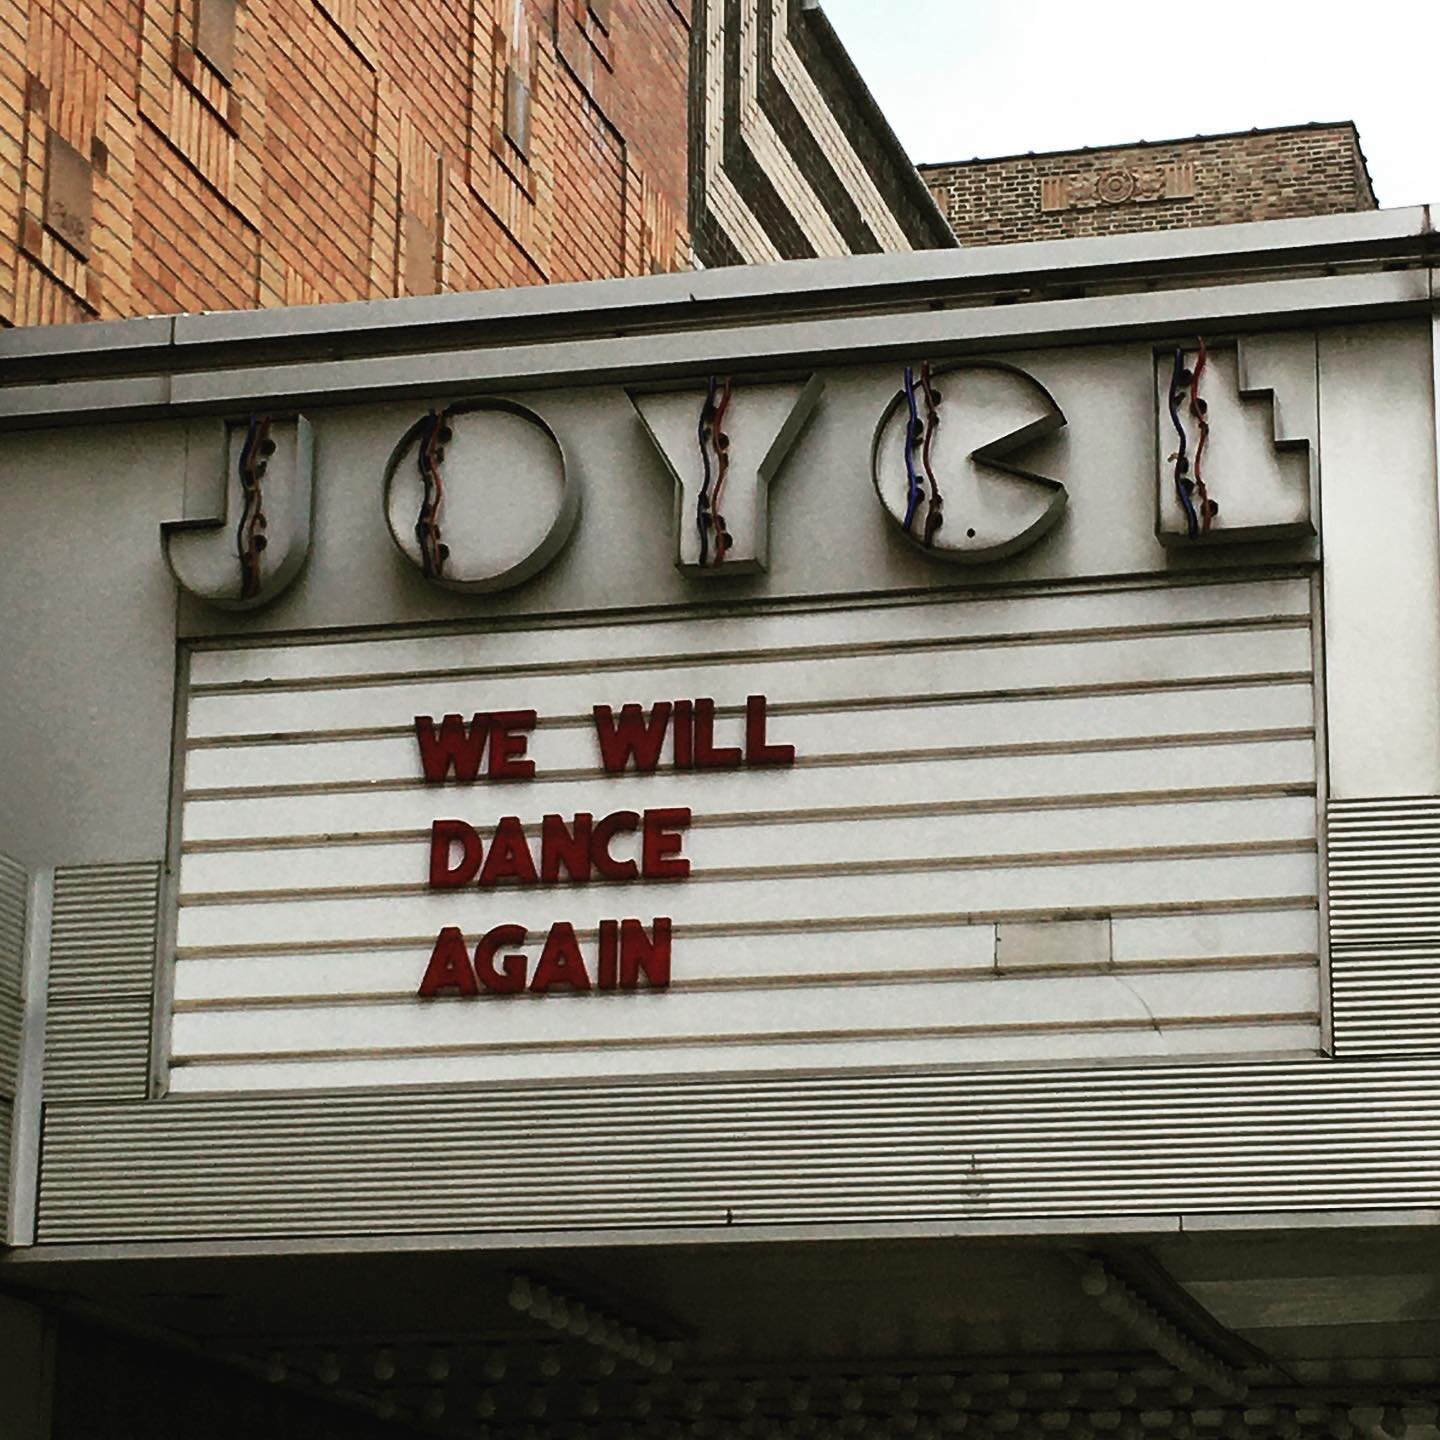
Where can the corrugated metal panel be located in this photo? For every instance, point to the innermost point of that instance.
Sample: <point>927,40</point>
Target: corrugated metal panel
<point>1383,880</point>
<point>14,882</point>
<point>102,962</point>
<point>104,927</point>
<point>12,1015</point>
<point>1144,755</point>
<point>14,886</point>
<point>7,1142</point>
<point>1283,1135</point>
<point>98,1047</point>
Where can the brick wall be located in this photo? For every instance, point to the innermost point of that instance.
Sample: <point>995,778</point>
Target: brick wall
<point>166,155</point>
<point>1207,180</point>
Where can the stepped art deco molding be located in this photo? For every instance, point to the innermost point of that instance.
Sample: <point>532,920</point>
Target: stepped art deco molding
<point>723,443</point>
<point>943,460</point>
<point>790,157</point>
<point>249,502</point>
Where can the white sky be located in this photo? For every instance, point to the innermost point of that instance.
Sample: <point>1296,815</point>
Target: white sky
<point>961,78</point>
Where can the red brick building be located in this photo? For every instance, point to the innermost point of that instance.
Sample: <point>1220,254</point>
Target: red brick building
<point>1274,174</point>
<point>163,155</point>
<point>177,155</point>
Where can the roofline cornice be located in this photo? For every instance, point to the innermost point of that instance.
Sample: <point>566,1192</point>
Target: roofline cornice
<point>746,319</point>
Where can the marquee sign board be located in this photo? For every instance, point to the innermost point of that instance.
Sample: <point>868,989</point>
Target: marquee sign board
<point>1077,823</point>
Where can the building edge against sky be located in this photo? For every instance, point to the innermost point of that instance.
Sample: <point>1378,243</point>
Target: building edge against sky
<point>1277,173</point>
<point>171,157</point>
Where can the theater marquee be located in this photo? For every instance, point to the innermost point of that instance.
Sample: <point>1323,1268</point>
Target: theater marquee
<point>784,839</point>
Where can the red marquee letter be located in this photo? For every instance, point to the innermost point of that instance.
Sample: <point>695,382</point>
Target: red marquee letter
<point>643,954</point>
<point>632,736</point>
<point>507,748</point>
<point>509,856</point>
<point>682,730</point>
<point>453,746</point>
<point>609,954</point>
<point>444,834</point>
<point>560,962</point>
<point>449,967</point>
<point>707,757</point>
<point>560,847</point>
<point>757,752</point>
<point>600,838</point>
<point>660,844</point>
<point>513,978</point>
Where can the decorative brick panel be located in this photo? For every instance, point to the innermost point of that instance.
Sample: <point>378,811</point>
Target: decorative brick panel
<point>215,34</point>
<point>69,194</point>
<point>61,200</point>
<point>421,213</point>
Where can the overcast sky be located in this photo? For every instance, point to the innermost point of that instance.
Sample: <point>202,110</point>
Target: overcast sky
<point>961,78</point>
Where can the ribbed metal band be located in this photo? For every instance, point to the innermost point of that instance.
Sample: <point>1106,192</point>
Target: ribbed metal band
<point>14,887</point>
<point>1383,864</point>
<point>104,926</point>
<point>102,963</point>
<point>14,882</point>
<point>1277,1136</point>
<point>7,1142</point>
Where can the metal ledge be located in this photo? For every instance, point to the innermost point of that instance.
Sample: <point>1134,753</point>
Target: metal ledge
<point>791,290</point>
<point>1065,1230</point>
<point>746,348</point>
